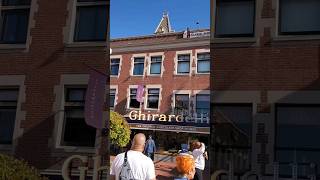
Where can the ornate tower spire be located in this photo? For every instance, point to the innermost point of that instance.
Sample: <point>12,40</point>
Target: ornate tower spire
<point>164,25</point>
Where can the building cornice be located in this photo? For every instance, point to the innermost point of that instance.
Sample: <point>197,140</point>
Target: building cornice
<point>176,44</point>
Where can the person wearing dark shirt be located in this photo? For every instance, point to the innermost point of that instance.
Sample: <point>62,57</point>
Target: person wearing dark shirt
<point>150,148</point>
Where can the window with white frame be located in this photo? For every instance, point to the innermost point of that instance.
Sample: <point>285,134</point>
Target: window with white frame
<point>133,103</point>
<point>112,97</point>
<point>183,62</point>
<point>8,108</point>
<point>115,66</point>
<point>203,105</point>
<point>138,66</point>
<point>299,17</point>
<point>235,18</point>
<point>14,21</point>
<point>91,20</point>
<point>181,103</point>
<point>155,65</point>
<point>203,62</point>
<point>76,131</point>
<point>153,98</point>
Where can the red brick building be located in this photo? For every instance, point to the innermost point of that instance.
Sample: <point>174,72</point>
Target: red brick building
<point>174,68</point>
<point>266,85</point>
<point>44,46</point>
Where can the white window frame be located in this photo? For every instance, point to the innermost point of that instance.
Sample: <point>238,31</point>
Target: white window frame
<point>200,92</point>
<point>279,36</point>
<point>120,64</point>
<point>173,100</point>
<point>176,62</point>
<point>129,97</point>
<point>253,39</point>
<point>200,51</point>
<point>132,64</point>
<point>59,104</point>
<point>115,96</point>
<point>162,63</point>
<point>18,7</point>
<point>154,86</point>
<point>15,82</point>
<point>73,6</point>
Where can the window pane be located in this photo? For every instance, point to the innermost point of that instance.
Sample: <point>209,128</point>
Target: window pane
<point>184,57</point>
<point>155,68</point>
<point>182,101</point>
<point>77,132</point>
<point>138,66</point>
<point>112,97</point>
<point>91,23</point>
<point>233,125</point>
<point>156,63</point>
<point>298,16</point>
<point>7,121</point>
<point>297,128</point>
<point>115,63</point>
<point>15,2</point>
<point>9,95</point>
<point>203,66</point>
<point>153,98</point>
<point>14,26</point>
<point>76,94</point>
<point>183,67</point>
<point>203,104</point>
<point>133,101</point>
<point>235,18</point>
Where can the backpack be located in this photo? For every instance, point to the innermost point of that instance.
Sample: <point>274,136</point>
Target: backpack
<point>126,172</point>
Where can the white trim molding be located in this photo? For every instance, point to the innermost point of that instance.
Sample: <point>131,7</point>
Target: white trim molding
<point>115,96</point>
<point>58,109</point>
<point>120,64</point>
<point>144,55</point>
<point>150,55</point>
<point>176,62</point>
<point>199,51</point>
<point>19,82</point>
<point>153,86</point>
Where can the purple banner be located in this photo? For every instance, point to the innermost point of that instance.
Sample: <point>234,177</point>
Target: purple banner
<point>139,95</point>
<point>95,94</point>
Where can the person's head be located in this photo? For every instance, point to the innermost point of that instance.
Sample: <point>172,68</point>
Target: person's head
<point>138,142</point>
<point>197,145</point>
<point>186,165</point>
<point>150,137</point>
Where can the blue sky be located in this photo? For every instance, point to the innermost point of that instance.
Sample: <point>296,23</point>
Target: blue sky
<point>141,17</point>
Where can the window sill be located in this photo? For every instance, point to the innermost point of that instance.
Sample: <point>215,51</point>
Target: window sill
<point>75,149</point>
<point>203,73</point>
<point>114,76</point>
<point>234,40</point>
<point>86,44</point>
<point>296,37</point>
<point>154,75</point>
<point>187,74</point>
<point>6,147</point>
<point>13,46</point>
<point>149,109</point>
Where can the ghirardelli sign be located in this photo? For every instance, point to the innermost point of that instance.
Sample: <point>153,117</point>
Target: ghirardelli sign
<point>158,118</point>
<point>83,168</point>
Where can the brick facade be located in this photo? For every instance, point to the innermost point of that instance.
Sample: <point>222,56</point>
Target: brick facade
<point>42,61</point>
<point>279,68</point>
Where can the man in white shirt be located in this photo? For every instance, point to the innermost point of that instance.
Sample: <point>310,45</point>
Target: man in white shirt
<point>141,166</point>
<point>199,160</point>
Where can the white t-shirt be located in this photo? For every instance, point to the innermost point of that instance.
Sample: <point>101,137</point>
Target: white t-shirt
<point>198,157</point>
<point>142,166</point>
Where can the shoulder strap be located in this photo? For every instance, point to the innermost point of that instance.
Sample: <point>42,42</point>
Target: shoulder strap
<point>125,158</point>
